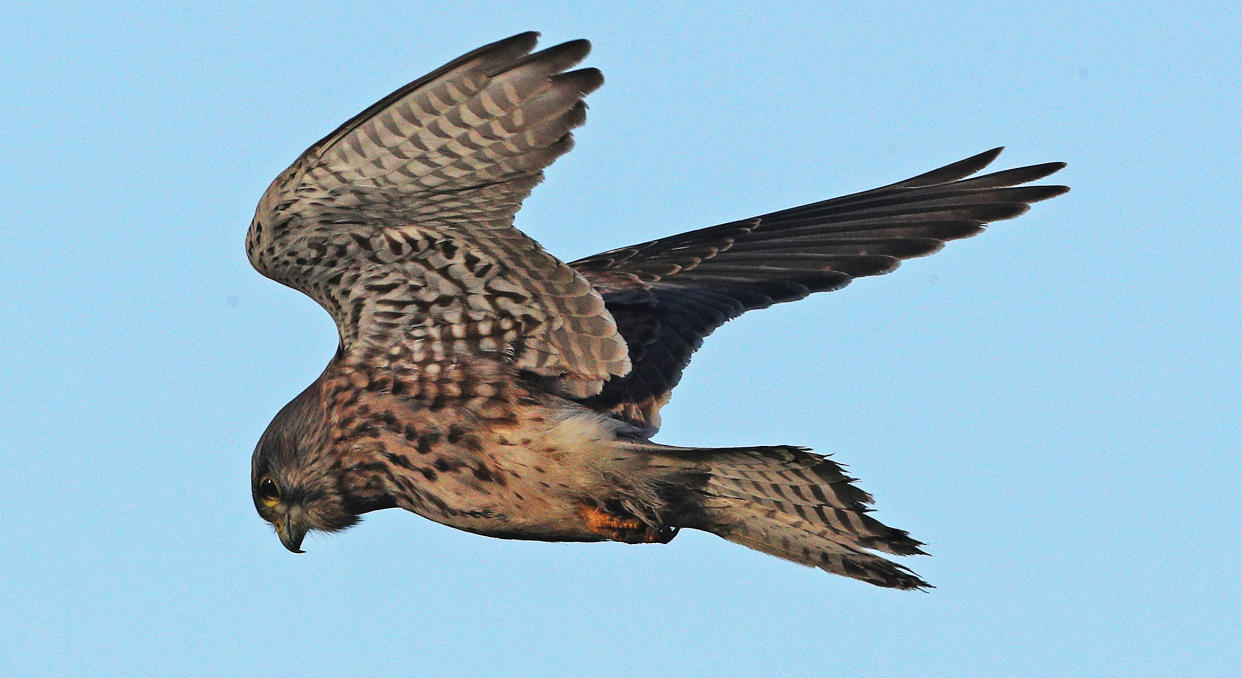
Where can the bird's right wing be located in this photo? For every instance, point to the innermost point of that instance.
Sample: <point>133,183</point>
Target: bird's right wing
<point>668,294</point>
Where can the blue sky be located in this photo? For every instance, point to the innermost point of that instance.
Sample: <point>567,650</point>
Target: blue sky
<point>1052,406</point>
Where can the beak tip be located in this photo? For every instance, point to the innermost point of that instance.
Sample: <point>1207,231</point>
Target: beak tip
<point>293,544</point>
<point>291,535</point>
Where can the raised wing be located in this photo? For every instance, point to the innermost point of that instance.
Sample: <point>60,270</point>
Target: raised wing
<point>399,223</point>
<point>668,294</point>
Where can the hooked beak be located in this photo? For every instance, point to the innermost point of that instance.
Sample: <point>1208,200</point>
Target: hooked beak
<point>291,532</point>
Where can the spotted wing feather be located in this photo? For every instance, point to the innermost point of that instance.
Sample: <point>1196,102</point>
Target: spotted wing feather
<point>400,223</point>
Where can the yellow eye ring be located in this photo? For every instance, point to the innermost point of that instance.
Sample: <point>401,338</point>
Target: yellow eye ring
<point>269,491</point>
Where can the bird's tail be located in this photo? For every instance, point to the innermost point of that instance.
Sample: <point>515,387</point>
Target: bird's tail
<point>793,504</point>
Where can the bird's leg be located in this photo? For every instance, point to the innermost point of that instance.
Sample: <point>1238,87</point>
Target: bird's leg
<point>626,529</point>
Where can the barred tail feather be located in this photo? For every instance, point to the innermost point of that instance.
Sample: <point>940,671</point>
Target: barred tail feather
<point>802,542</point>
<point>800,506</point>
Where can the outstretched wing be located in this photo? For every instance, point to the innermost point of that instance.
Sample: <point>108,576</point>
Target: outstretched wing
<point>400,223</point>
<point>668,294</point>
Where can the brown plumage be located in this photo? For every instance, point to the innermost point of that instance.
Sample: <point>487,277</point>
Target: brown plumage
<point>483,383</point>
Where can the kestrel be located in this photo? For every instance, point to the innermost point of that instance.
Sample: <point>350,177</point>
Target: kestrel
<point>485,384</point>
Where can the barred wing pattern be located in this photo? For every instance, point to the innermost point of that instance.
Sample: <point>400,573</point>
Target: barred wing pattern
<point>668,294</point>
<point>399,223</point>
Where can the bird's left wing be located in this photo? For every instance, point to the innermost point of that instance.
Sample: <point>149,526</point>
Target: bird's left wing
<point>400,223</point>
<point>668,294</point>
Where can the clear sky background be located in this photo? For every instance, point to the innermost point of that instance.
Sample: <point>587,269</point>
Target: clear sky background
<point>1052,406</point>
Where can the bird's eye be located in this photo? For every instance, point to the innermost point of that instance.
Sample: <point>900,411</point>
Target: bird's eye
<point>269,491</point>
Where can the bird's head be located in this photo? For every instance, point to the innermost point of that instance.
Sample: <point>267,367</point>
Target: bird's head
<point>295,484</point>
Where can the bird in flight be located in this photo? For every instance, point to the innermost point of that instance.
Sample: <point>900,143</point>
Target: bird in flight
<point>485,384</point>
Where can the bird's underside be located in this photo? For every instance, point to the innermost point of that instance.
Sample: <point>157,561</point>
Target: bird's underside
<point>487,385</point>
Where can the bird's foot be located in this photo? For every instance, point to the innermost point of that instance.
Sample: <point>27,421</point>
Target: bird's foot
<point>629,529</point>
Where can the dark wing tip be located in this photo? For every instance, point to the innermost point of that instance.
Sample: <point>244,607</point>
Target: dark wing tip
<point>951,172</point>
<point>554,59</point>
<point>525,41</point>
<point>981,160</point>
<point>1034,172</point>
<point>583,81</point>
<point>580,47</point>
<point>1046,192</point>
<point>494,54</point>
<point>1013,177</point>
